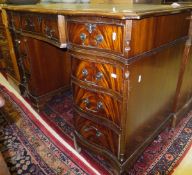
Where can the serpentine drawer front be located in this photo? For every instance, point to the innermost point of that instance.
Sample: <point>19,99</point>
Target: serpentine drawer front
<point>102,75</point>
<point>100,136</point>
<point>94,35</point>
<point>50,28</point>
<point>97,103</point>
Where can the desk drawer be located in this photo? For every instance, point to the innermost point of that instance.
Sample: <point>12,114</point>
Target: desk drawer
<point>97,104</point>
<point>46,27</point>
<point>103,75</point>
<point>50,27</point>
<point>92,35</point>
<point>97,134</point>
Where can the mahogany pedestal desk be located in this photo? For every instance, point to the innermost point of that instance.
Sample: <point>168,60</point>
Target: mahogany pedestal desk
<point>130,69</point>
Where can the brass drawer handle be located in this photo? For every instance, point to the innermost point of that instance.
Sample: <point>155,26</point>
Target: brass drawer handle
<point>85,72</point>
<point>99,76</point>
<point>90,27</point>
<point>99,38</point>
<point>49,32</point>
<point>87,103</point>
<point>83,37</point>
<point>99,105</point>
<point>98,133</point>
<point>29,24</point>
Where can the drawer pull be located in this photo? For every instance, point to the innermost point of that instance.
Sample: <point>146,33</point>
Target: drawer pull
<point>98,133</point>
<point>90,27</point>
<point>86,101</point>
<point>83,37</point>
<point>99,105</point>
<point>29,24</point>
<point>84,72</point>
<point>99,75</point>
<point>99,38</point>
<point>49,32</point>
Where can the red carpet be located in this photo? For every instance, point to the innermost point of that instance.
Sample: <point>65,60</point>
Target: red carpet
<point>29,148</point>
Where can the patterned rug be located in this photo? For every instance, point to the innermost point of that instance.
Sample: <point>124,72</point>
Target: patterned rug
<point>29,148</point>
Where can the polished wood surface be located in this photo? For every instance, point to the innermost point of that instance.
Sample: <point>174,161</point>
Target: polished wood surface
<point>147,33</point>
<point>42,62</point>
<point>110,10</point>
<point>97,134</point>
<point>155,52</point>
<point>42,55</point>
<point>183,96</point>
<point>98,104</point>
<point>186,92</point>
<point>154,78</point>
<point>130,68</point>
<point>101,36</point>
<point>98,74</point>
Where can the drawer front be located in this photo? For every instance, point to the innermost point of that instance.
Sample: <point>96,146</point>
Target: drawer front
<point>102,75</point>
<point>96,134</point>
<point>50,27</point>
<point>101,36</point>
<point>97,104</point>
<point>45,25</point>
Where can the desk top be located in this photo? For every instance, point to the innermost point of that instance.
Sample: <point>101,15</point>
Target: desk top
<point>119,11</point>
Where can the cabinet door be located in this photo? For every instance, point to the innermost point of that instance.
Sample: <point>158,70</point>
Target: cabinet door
<point>48,67</point>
